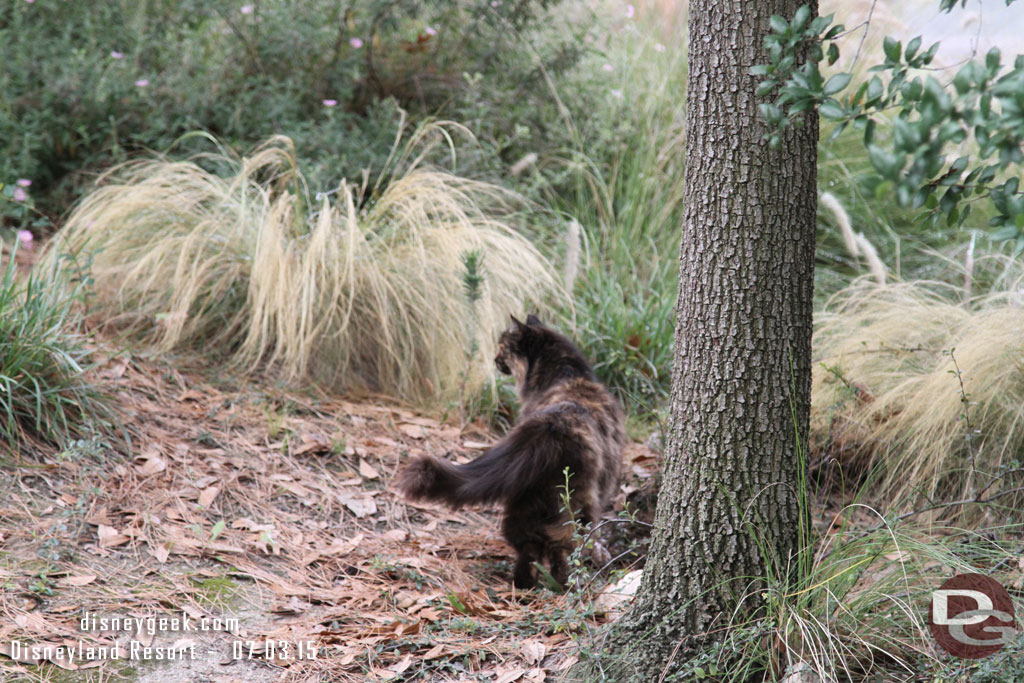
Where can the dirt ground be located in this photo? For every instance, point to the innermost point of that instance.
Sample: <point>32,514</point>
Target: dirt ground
<point>258,523</point>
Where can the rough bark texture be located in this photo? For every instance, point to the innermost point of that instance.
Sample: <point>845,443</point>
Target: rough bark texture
<point>741,379</point>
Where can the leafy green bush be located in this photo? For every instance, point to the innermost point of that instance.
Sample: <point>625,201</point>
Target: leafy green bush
<point>85,84</point>
<point>43,392</point>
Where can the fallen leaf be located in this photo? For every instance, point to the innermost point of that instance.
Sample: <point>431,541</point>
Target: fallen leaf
<point>510,676</point>
<point>312,443</point>
<point>566,663</point>
<point>152,463</point>
<point>246,523</point>
<point>161,552</point>
<point>34,622</point>
<point>82,580</point>
<point>476,445</point>
<point>360,503</point>
<point>207,495</point>
<point>614,598</point>
<point>533,651</point>
<point>110,537</point>
<point>183,643</point>
<point>434,652</point>
<point>413,431</point>
<point>367,471</point>
<point>395,670</point>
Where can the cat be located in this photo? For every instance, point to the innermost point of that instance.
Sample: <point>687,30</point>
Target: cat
<point>567,420</point>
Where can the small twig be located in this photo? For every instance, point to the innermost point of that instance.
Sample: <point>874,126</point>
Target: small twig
<point>863,37</point>
<point>966,501</point>
<point>967,417</point>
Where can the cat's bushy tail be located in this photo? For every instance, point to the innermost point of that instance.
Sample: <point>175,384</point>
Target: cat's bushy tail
<point>531,455</point>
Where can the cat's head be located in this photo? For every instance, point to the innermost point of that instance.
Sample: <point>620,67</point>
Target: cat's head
<point>538,356</point>
<point>513,344</point>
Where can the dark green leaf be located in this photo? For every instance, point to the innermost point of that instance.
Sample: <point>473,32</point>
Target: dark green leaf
<point>869,132</point>
<point>962,80</point>
<point>831,109</point>
<point>892,48</point>
<point>875,88</point>
<point>992,61</point>
<point>953,217</point>
<point>836,83</point>
<point>833,53</point>
<point>912,47</point>
<point>801,17</point>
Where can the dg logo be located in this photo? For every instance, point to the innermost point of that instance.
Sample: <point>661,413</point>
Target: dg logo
<point>971,616</point>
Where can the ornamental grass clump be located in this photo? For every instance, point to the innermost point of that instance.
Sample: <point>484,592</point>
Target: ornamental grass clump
<point>45,395</point>
<point>357,290</point>
<point>926,390</point>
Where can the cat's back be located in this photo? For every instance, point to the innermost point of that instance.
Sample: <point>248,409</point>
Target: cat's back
<point>583,409</point>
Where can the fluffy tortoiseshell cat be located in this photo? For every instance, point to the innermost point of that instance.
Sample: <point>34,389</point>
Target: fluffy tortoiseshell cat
<point>567,420</point>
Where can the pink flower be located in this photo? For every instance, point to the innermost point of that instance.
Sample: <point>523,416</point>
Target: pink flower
<point>630,11</point>
<point>25,237</point>
<point>247,9</point>
<point>608,67</point>
<point>617,94</point>
<point>116,55</point>
<point>330,103</point>
<point>19,194</point>
<point>430,31</point>
<point>658,47</point>
<point>355,42</point>
<point>142,83</point>
<point>23,182</point>
<point>30,1</point>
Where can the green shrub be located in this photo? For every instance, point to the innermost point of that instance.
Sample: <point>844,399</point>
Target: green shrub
<point>44,395</point>
<point>84,85</point>
<point>624,186</point>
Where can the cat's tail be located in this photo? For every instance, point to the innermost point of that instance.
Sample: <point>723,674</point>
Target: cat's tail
<point>430,478</point>
<point>530,456</point>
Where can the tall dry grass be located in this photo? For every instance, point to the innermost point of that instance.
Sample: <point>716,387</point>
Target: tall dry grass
<point>925,389</point>
<point>361,291</point>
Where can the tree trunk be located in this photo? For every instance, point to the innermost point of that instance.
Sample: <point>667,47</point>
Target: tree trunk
<point>741,380</point>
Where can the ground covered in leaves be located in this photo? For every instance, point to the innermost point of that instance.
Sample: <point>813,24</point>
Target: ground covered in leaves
<point>261,520</point>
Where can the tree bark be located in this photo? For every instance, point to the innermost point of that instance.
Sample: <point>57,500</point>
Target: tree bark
<point>741,378</point>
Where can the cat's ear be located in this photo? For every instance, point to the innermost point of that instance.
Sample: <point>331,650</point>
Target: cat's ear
<point>533,320</point>
<point>517,325</point>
